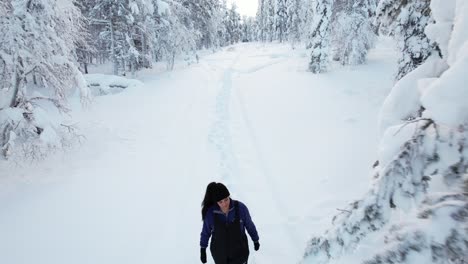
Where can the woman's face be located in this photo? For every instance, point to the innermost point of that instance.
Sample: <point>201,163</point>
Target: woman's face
<point>224,204</point>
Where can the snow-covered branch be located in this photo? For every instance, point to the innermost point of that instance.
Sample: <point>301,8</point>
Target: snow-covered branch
<point>419,157</point>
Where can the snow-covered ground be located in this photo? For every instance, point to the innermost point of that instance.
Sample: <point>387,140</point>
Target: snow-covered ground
<point>293,146</point>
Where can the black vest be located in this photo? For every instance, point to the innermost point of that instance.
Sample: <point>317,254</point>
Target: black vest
<point>228,243</point>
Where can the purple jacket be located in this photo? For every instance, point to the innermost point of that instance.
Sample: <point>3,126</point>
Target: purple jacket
<point>215,211</point>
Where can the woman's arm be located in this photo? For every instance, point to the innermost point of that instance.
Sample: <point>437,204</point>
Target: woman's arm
<point>206,230</point>
<point>248,223</point>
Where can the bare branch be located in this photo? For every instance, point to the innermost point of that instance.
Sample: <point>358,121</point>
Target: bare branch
<point>342,210</point>
<point>413,121</point>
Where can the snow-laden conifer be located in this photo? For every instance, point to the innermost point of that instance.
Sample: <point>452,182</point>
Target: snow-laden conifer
<point>295,21</point>
<point>281,20</point>
<point>406,21</point>
<point>203,16</point>
<point>174,34</point>
<point>438,233</point>
<point>125,29</point>
<point>320,36</point>
<point>422,164</point>
<point>260,17</point>
<point>38,72</point>
<point>232,24</point>
<point>249,29</point>
<point>352,33</point>
<point>270,20</point>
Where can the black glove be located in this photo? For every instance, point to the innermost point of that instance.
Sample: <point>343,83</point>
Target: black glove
<point>256,245</point>
<point>203,255</point>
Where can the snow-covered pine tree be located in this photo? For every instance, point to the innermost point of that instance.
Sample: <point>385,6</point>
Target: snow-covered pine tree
<point>126,29</point>
<point>353,33</point>
<point>112,15</point>
<point>320,36</point>
<point>233,25</point>
<point>307,17</point>
<point>6,57</point>
<point>38,71</point>
<point>254,28</point>
<point>248,28</point>
<point>395,181</point>
<point>265,18</point>
<point>406,21</point>
<point>96,49</point>
<point>339,7</point>
<point>223,36</point>
<point>260,18</point>
<point>294,21</point>
<point>203,15</point>
<point>86,51</point>
<point>438,233</point>
<point>270,20</point>
<point>175,34</point>
<point>142,33</point>
<point>281,20</point>
<point>423,162</point>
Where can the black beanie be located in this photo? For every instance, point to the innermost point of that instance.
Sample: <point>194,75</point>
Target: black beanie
<point>220,192</point>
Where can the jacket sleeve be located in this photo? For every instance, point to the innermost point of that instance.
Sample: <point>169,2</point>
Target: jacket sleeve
<point>249,224</point>
<point>206,230</point>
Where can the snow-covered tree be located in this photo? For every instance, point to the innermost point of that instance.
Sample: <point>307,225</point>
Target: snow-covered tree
<point>422,167</point>
<point>175,34</point>
<point>249,29</point>
<point>264,19</point>
<point>439,232</point>
<point>232,24</point>
<point>353,33</point>
<point>307,19</point>
<point>294,22</point>
<point>223,36</point>
<point>127,27</point>
<point>281,20</point>
<point>274,19</point>
<point>270,20</point>
<point>406,21</point>
<point>320,36</point>
<point>38,70</point>
<point>87,49</point>
<point>260,18</point>
<point>203,15</point>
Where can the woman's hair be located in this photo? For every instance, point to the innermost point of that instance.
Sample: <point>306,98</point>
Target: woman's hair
<point>209,200</point>
<point>215,191</point>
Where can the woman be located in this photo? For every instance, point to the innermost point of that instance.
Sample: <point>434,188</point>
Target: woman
<point>225,221</point>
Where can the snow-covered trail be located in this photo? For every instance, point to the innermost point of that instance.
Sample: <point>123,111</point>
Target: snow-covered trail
<point>291,145</point>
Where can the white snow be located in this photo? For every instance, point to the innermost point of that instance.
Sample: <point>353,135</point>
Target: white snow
<point>293,146</point>
<point>392,140</point>
<point>446,98</point>
<point>403,102</point>
<point>163,7</point>
<point>5,93</point>
<point>134,7</point>
<point>443,13</point>
<point>460,32</point>
<point>101,84</point>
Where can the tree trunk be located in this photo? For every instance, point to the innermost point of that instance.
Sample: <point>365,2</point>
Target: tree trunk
<point>114,56</point>
<point>14,100</point>
<point>146,63</point>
